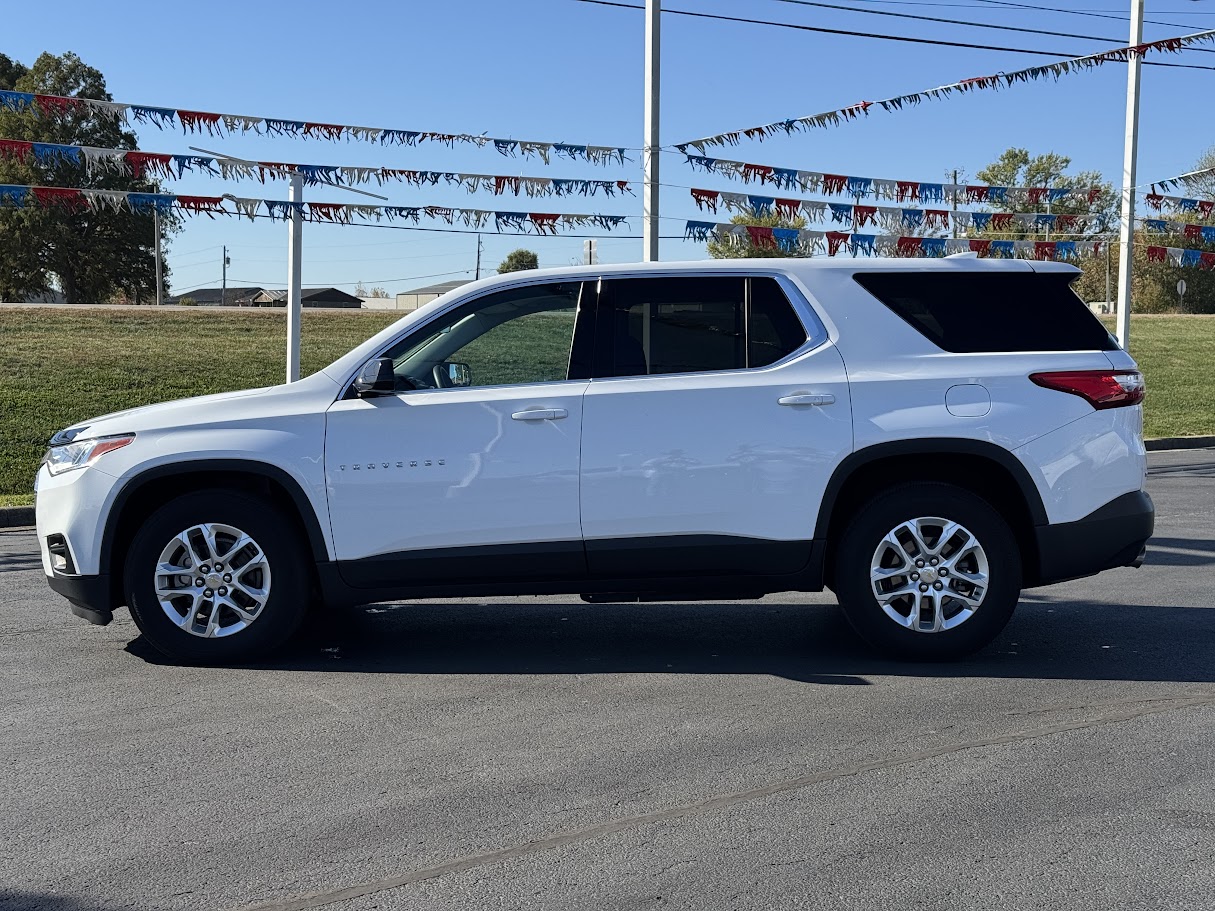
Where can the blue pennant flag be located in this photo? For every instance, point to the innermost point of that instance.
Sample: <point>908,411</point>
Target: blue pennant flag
<point>1065,249</point>
<point>147,203</point>
<point>1057,193</point>
<point>859,187</point>
<point>1208,235</point>
<point>1154,224</point>
<point>980,220</point>
<point>788,239</point>
<point>1044,221</point>
<point>699,230</point>
<point>708,165</point>
<point>516,220</point>
<point>281,208</point>
<point>1191,257</point>
<point>16,101</point>
<point>277,127</point>
<point>841,212</point>
<point>1003,249</point>
<point>864,244</point>
<point>932,192</point>
<point>913,218</point>
<point>318,173</point>
<point>1188,205</point>
<point>13,196</point>
<point>185,163</point>
<point>997,194</point>
<point>932,246</point>
<point>49,154</point>
<point>507,147</point>
<point>608,222</point>
<point>399,137</point>
<point>409,213</point>
<point>761,205</point>
<point>160,117</point>
<point>569,151</point>
<point>786,178</point>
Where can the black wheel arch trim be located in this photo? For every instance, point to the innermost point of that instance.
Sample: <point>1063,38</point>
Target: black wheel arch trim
<point>312,525</point>
<point>929,446</point>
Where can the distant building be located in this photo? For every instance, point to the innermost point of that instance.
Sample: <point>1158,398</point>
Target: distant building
<point>311,297</point>
<point>412,300</point>
<point>218,297</point>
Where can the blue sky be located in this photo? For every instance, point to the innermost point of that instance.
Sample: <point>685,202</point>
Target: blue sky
<point>561,70</point>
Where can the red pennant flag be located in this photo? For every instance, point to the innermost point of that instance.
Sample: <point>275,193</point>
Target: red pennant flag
<point>761,237</point>
<point>1154,200</point>
<point>1157,254</point>
<point>1044,249</point>
<point>16,149</point>
<point>788,207</point>
<point>906,190</point>
<point>982,247</point>
<point>1206,261</point>
<point>204,204</point>
<point>706,199</point>
<point>976,194</point>
<point>864,214</point>
<point>834,184</point>
<point>54,106</point>
<point>1035,195</point>
<point>760,172</point>
<point>1002,221</point>
<point>199,120</point>
<point>938,218</point>
<point>1193,232</point>
<point>545,223</point>
<point>1065,223</point>
<point>141,163</point>
<point>324,130</point>
<point>909,246</point>
<point>61,197</point>
<point>1205,206</point>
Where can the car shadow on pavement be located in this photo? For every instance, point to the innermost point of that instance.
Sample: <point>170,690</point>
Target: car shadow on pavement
<point>1181,552</point>
<point>41,901</point>
<point>1050,636</point>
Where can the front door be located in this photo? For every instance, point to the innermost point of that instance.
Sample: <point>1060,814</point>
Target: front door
<point>710,429</point>
<point>470,471</point>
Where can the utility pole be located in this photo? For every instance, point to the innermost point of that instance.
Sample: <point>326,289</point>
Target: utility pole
<point>223,294</point>
<point>651,149</point>
<point>1130,153</point>
<point>160,287</point>
<point>295,265</point>
<point>478,277</point>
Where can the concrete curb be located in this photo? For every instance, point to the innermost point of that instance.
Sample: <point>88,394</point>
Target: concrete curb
<point>16,516</point>
<point>1167,443</point>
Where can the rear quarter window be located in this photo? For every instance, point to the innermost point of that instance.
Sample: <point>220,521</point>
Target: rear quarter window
<point>973,312</point>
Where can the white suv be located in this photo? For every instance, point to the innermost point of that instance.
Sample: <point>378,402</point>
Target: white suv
<point>926,438</point>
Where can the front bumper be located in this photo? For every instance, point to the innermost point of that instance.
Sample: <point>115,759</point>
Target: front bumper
<point>1112,536</point>
<point>90,597</point>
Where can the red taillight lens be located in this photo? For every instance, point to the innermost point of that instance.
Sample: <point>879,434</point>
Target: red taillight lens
<point>1100,388</point>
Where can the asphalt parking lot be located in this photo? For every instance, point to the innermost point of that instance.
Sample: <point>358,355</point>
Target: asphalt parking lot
<point>545,753</point>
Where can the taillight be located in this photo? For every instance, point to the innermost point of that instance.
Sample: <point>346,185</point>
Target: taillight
<point>1100,388</point>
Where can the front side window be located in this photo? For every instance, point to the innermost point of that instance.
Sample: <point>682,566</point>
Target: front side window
<point>651,326</point>
<point>521,335</point>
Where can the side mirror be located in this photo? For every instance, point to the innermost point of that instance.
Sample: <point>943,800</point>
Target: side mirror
<point>376,378</point>
<point>459,374</point>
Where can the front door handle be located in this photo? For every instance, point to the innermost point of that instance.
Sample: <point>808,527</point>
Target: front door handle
<point>818,398</point>
<point>541,414</point>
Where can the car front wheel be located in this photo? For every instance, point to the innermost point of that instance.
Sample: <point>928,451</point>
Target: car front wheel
<point>216,576</point>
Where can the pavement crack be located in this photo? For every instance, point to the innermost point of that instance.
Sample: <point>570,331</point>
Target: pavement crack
<point>1121,713</point>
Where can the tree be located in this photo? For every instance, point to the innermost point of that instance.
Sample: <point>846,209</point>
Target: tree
<point>361,290</point>
<point>518,260</point>
<point>732,249</point>
<point>1017,168</point>
<point>92,255</point>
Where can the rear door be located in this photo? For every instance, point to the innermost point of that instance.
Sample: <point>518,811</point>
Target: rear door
<point>710,429</point>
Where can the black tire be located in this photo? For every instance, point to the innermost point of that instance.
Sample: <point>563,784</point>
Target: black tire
<point>882,515</point>
<point>285,554</point>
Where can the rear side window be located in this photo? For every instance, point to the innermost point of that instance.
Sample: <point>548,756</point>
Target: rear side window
<point>692,324</point>
<point>970,312</point>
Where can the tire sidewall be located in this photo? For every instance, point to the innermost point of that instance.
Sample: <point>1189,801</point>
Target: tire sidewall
<point>888,510</point>
<point>274,534</point>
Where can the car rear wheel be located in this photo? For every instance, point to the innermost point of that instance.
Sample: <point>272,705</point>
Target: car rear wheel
<point>217,576</point>
<point>928,571</point>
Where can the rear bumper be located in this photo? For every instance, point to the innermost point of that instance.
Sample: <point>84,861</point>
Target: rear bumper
<point>1109,537</point>
<point>89,596</point>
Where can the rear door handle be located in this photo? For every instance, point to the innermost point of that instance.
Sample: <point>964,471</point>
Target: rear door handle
<point>818,398</point>
<point>541,414</point>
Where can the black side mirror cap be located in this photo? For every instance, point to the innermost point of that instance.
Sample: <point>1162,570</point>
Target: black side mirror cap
<point>376,378</point>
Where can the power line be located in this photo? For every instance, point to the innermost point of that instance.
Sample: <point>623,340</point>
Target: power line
<point>1097,13</point>
<point>987,25</point>
<point>908,39</point>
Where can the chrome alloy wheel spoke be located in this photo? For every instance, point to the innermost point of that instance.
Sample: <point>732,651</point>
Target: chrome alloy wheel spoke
<point>212,580</point>
<point>929,574</point>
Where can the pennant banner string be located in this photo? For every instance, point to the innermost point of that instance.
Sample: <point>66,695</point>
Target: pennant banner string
<point>139,164</point>
<point>997,81</point>
<point>1161,203</point>
<point>55,106</point>
<point>890,217</point>
<point>879,188</point>
<point>79,200</point>
<point>833,243</point>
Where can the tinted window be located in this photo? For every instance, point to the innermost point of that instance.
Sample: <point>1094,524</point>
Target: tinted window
<point>694,324</point>
<point>522,335</point>
<point>991,311</point>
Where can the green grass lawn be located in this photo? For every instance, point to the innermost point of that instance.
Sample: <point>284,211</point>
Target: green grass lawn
<point>60,366</point>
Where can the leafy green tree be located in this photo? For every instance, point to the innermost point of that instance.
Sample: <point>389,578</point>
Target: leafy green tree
<point>1017,168</point>
<point>518,260</point>
<point>92,255</point>
<point>731,248</point>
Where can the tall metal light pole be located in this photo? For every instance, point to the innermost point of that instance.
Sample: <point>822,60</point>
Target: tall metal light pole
<point>1126,230</point>
<point>160,285</point>
<point>651,150</point>
<point>295,265</point>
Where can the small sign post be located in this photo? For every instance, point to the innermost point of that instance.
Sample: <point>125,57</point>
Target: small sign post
<point>1181,293</point>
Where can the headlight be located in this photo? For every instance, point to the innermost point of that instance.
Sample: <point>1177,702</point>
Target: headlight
<point>81,453</point>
